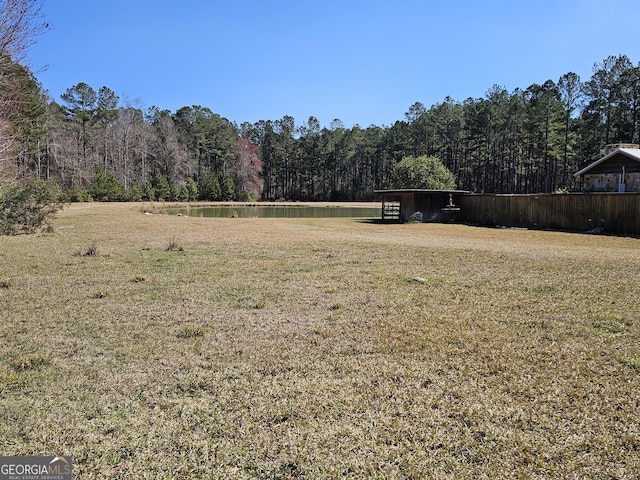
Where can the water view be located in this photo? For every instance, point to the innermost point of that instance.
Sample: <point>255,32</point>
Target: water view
<point>278,211</point>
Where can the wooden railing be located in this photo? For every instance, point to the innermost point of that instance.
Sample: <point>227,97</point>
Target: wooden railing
<point>391,209</point>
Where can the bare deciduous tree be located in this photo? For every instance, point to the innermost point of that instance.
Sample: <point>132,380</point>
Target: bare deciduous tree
<point>21,22</point>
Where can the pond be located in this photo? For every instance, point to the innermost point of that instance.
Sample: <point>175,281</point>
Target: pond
<point>278,211</point>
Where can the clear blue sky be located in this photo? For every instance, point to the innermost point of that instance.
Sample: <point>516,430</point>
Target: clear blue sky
<point>363,62</point>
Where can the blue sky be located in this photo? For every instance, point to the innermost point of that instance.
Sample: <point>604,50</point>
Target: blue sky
<point>362,62</point>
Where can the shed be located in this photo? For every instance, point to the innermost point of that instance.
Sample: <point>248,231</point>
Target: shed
<point>617,171</point>
<point>434,205</point>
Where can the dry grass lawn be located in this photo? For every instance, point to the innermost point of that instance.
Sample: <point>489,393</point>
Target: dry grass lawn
<point>285,348</point>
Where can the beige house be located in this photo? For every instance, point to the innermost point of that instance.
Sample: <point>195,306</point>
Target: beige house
<point>617,171</point>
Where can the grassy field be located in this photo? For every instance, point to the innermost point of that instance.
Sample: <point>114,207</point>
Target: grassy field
<point>156,346</point>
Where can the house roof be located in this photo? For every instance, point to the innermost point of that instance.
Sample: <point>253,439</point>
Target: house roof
<point>630,153</point>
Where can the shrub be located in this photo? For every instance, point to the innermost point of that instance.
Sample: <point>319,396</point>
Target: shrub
<point>181,194</point>
<point>148,192</point>
<point>26,206</point>
<point>192,190</point>
<point>244,197</point>
<point>422,172</point>
<point>107,188</point>
<point>208,187</point>
<point>136,194</point>
<point>161,187</point>
<point>227,187</point>
<point>77,194</point>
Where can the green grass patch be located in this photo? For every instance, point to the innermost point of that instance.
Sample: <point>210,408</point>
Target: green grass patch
<point>631,361</point>
<point>191,331</point>
<point>32,361</point>
<point>336,306</point>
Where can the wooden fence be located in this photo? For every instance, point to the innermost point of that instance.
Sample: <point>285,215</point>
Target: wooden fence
<point>613,212</point>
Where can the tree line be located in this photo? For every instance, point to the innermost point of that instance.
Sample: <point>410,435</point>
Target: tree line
<point>96,145</point>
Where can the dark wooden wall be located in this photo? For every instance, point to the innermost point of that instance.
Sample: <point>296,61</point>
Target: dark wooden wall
<point>617,213</point>
<point>430,204</point>
<point>614,166</point>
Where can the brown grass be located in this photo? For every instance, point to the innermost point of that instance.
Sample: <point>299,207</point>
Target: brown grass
<point>284,348</point>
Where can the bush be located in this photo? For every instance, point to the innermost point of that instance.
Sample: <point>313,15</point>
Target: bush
<point>179,194</point>
<point>26,206</point>
<point>192,190</point>
<point>136,194</point>
<point>244,197</point>
<point>107,188</point>
<point>209,187</point>
<point>148,192</point>
<point>187,192</point>
<point>161,187</point>
<point>227,187</point>
<point>422,172</point>
<point>77,194</point>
